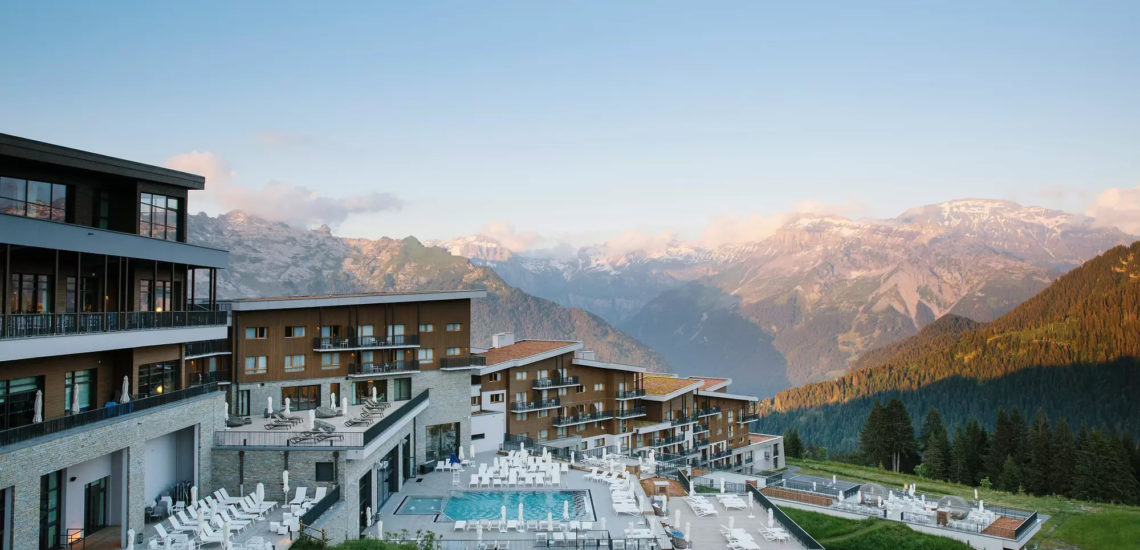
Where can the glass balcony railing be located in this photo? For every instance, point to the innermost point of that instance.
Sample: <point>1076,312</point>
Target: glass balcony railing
<point>558,382</point>
<point>31,325</point>
<point>330,343</point>
<point>524,406</point>
<point>631,412</point>
<point>383,367</point>
<point>562,421</point>
<point>708,411</point>
<point>454,362</point>
<point>630,394</point>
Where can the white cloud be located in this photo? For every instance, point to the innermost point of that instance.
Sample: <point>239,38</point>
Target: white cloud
<point>736,228</point>
<point>639,241</point>
<point>290,203</point>
<point>506,235</point>
<point>1116,207</point>
<point>280,140</point>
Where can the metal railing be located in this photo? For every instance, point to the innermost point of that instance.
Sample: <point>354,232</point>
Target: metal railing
<point>708,411</point>
<point>631,412</point>
<point>630,394</point>
<point>393,417</point>
<point>323,343</point>
<point>321,506</point>
<point>700,428</point>
<point>30,325</point>
<point>524,406</point>
<point>561,421</point>
<point>1025,526</point>
<point>94,416</point>
<point>220,375</point>
<point>746,418</point>
<point>583,540</point>
<point>700,442</point>
<point>464,361</point>
<point>678,420</point>
<point>557,382</point>
<point>209,347</point>
<point>792,527</point>
<point>719,455</point>
<point>383,367</point>
<point>664,441</point>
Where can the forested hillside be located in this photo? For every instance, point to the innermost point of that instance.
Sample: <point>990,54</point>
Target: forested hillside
<point>1071,350</point>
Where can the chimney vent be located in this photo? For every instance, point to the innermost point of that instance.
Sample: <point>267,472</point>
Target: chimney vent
<point>502,339</point>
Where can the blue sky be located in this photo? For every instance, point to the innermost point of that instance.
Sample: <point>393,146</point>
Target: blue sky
<point>581,121</point>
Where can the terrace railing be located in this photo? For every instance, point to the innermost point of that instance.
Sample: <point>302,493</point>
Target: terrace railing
<point>747,417</point>
<point>630,394</point>
<point>664,441</point>
<point>219,375</point>
<point>524,406</point>
<point>631,412</point>
<point>792,527</point>
<point>94,416</point>
<point>708,411</point>
<point>679,420</point>
<point>30,325</point>
<point>556,382</point>
<point>700,428</point>
<point>464,361</point>
<point>209,347</point>
<point>562,421</point>
<point>383,367</point>
<point>326,343</point>
<point>332,496</point>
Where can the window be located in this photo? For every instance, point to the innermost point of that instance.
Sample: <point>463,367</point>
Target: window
<point>401,389</point>
<point>365,335</point>
<point>475,401</point>
<point>454,351</point>
<point>30,293</point>
<point>425,355</point>
<point>302,398</point>
<point>295,363</point>
<point>295,332</point>
<point>520,397</point>
<point>363,390</point>
<point>157,378</point>
<point>158,216</point>
<point>562,392</point>
<point>396,334</point>
<point>454,327</point>
<point>427,327</point>
<point>561,432</point>
<point>581,388</point>
<point>242,403</point>
<point>520,375</point>
<point>544,413</point>
<point>330,361</point>
<point>255,333</point>
<point>495,377</point>
<point>17,398</point>
<point>520,417</point>
<point>442,440</point>
<point>542,433</point>
<point>478,437</point>
<point>599,387</point>
<point>498,397</point>
<point>33,199</point>
<point>83,384</point>
<point>256,365</point>
<point>103,211</point>
<point>326,472</point>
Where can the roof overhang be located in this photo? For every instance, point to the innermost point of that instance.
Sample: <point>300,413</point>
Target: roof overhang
<point>609,366</point>
<point>673,394</point>
<point>722,395</point>
<point>570,347</point>
<point>38,151</point>
<point>305,302</point>
<point>719,385</point>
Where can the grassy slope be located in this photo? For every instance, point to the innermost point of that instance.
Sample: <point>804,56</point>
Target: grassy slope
<point>1074,523</point>
<point>868,534</point>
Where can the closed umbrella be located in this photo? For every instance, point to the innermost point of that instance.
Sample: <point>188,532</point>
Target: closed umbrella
<point>312,419</point>
<point>549,520</point>
<point>472,451</point>
<point>503,515</point>
<point>688,532</point>
<point>566,510</point>
<point>373,393</point>
<point>74,400</point>
<point>461,456</point>
<point>571,458</point>
<point>126,397</point>
<point>722,485</point>
<point>344,405</point>
<point>368,516</point>
<point>260,491</point>
<point>269,404</point>
<point>479,532</point>
<point>193,494</point>
<point>771,517</point>
<point>287,403</point>
<point>38,413</point>
<point>332,399</point>
<point>520,512</point>
<point>676,518</point>
<point>285,482</point>
<point>750,499</point>
<point>226,533</point>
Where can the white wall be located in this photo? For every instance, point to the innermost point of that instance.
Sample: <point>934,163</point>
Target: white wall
<point>169,460</point>
<point>493,425</point>
<point>84,473</point>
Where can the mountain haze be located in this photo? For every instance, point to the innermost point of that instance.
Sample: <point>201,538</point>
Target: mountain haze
<point>273,259</point>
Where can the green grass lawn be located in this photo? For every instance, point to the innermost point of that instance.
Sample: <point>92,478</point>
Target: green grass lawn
<point>867,534</point>
<point>1073,523</point>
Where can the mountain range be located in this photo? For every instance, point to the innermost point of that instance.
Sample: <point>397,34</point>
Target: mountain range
<point>804,303</point>
<point>273,259</point>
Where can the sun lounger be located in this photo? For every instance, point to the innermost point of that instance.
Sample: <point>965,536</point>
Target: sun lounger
<point>299,496</point>
<point>208,536</point>
<point>360,421</point>
<point>225,497</point>
<point>178,527</point>
<point>460,525</point>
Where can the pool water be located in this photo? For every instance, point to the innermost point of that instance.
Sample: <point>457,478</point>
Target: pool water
<point>421,506</point>
<point>469,505</point>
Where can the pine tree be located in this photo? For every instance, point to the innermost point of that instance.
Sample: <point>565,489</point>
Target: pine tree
<point>960,459</point>
<point>977,448</point>
<point>1063,465</point>
<point>1020,428</point>
<point>873,439</point>
<point>1010,477</point>
<point>1038,467</point>
<point>935,445</point>
<point>793,446</point>
<point>901,447</point>
<point>1003,444</point>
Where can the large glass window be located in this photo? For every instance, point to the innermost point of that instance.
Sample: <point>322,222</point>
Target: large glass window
<point>401,389</point>
<point>256,365</point>
<point>17,401</point>
<point>50,504</point>
<point>363,390</point>
<point>30,293</point>
<point>442,440</point>
<point>81,382</point>
<point>158,216</point>
<point>302,398</point>
<point>157,378</point>
<point>34,199</point>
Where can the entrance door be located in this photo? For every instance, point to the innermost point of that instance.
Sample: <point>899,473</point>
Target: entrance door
<point>95,505</point>
<point>365,499</point>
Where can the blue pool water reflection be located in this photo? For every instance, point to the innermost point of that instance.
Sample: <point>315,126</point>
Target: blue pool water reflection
<point>469,505</point>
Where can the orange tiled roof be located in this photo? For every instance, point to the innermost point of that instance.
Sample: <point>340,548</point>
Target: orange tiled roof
<point>759,438</point>
<point>521,349</point>
<point>664,385</point>
<point>708,382</point>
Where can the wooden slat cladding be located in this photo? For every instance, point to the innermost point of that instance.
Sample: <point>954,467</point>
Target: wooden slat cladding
<point>275,346</point>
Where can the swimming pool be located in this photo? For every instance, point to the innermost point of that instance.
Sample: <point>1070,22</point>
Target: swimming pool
<point>414,506</point>
<point>469,505</point>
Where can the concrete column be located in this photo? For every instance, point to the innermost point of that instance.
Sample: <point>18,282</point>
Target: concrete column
<point>400,465</point>
<point>26,514</point>
<point>135,478</point>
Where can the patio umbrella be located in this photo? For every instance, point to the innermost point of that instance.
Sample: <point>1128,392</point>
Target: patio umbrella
<point>368,516</point>
<point>126,397</point>
<point>373,393</point>
<point>981,506</point>
<point>260,491</point>
<point>688,532</point>
<point>380,530</point>
<point>287,403</point>
<point>549,520</point>
<point>461,457</point>
<point>193,494</point>
<point>571,458</point>
<point>332,399</point>
<point>566,510</point>
<point>522,446</point>
<point>503,515</point>
<point>750,499</point>
<point>74,400</point>
<point>312,419</point>
<point>285,482</point>
<point>771,517</point>
<point>226,533</point>
<point>722,485</point>
<point>975,494</point>
<point>269,404</point>
<point>344,405</point>
<point>676,518</point>
<point>38,414</point>
<point>472,451</point>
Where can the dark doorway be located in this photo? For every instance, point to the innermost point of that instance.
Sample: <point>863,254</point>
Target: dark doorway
<point>95,505</point>
<point>365,499</point>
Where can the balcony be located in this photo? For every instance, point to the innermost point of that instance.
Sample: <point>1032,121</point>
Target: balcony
<point>94,416</point>
<point>631,412</point>
<point>708,411</point>
<point>527,406</point>
<point>563,421</point>
<point>34,325</point>
<point>749,417</point>
<point>700,442</point>
<point>382,368</point>
<point>220,376</point>
<point>682,420</point>
<point>196,350</point>
<point>354,343</point>
<point>664,441</point>
<point>700,428</point>
<point>460,362</point>
<point>720,455</point>
<point>629,394</point>
<point>559,382</point>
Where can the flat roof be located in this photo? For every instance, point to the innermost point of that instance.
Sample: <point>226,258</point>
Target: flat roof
<point>524,352</point>
<point>365,298</point>
<point>665,385</point>
<point>723,395</point>
<point>39,151</point>
<point>710,384</point>
<point>604,365</point>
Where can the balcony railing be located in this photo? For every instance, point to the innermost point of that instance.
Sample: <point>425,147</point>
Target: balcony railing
<point>720,454</point>
<point>383,367</point>
<point>563,421</point>
<point>219,376</point>
<point>321,506</point>
<point>700,428</point>
<point>631,412</point>
<point>524,406</point>
<point>748,417</point>
<point>333,343</point>
<point>207,348</point>
<point>708,411</point>
<point>94,416</point>
<point>465,361</point>
<point>559,382</point>
<point>630,394</point>
<point>664,441</point>
<point>30,325</point>
<point>681,419</point>
<point>700,442</point>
